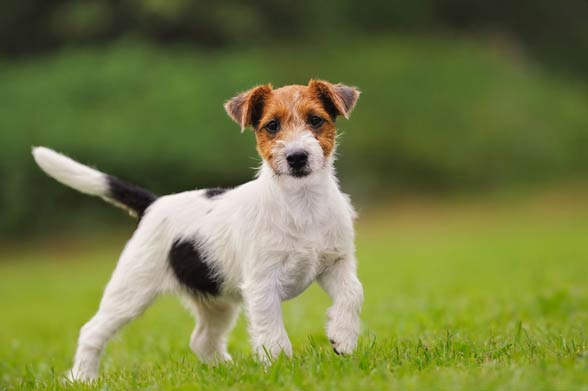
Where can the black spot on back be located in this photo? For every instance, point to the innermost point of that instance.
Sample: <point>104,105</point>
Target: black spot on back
<point>189,264</point>
<point>210,193</point>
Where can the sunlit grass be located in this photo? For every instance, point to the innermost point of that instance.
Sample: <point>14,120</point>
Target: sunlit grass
<point>482,294</point>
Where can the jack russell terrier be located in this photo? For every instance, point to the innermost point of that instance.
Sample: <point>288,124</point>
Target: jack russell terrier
<point>259,244</point>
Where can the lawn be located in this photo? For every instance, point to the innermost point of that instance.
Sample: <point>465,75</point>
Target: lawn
<point>485,293</point>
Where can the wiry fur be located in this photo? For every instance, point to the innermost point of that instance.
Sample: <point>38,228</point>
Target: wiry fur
<point>266,241</point>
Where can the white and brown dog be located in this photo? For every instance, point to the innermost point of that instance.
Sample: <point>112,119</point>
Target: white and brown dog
<point>261,243</point>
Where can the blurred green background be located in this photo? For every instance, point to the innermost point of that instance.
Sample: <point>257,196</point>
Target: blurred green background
<point>458,96</point>
<point>466,156</point>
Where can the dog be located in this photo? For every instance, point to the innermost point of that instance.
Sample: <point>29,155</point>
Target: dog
<point>258,244</point>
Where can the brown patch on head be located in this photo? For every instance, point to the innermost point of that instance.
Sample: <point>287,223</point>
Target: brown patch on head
<point>295,109</point>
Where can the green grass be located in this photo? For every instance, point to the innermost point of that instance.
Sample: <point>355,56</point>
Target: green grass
<point>460,294</point>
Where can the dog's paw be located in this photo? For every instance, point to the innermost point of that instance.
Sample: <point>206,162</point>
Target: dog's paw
<point>343,345</point>
<point>209,352</point>
<point>216,358</point>
<point>76,376</point>
<point>270,351</point>
<point>343,334</point>
<point>343,329</point>
<point>224,357</point>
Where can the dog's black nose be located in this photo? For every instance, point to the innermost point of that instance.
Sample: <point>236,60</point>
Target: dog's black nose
<point>297,159</point>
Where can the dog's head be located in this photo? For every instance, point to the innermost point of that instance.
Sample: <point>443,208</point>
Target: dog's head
<point>294,125</point>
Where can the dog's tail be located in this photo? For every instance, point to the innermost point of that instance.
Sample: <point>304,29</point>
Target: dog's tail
<point>90,181</point>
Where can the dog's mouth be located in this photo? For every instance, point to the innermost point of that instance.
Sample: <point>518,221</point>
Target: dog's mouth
<point>300,172</point>
<point>295,173</point>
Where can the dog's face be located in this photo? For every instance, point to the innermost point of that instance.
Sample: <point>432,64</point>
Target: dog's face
<point>294,125</point>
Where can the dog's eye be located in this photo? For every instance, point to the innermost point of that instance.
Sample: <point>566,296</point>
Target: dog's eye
<point>316,121</point>
<point>273,126</point>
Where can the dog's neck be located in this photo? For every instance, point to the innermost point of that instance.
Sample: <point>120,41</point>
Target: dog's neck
<point>304,197</point>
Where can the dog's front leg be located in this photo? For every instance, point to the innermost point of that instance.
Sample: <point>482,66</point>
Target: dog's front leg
<point>342,285</point>
<point>266,327</point>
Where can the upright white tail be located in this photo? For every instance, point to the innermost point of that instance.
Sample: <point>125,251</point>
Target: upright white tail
<point>90,181</point>
<point>71,173</point>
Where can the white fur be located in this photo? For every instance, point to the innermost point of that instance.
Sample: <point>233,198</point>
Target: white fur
<point>75,175</point>
<point>301,139</point>
<point>71,173</point>
<point>268,239</point>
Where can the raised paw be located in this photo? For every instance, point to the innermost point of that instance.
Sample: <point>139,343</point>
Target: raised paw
<point>343,339</point>
<point>343,347</point>
<point>343,329</point>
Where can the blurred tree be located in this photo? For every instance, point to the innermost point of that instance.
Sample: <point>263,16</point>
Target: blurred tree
<point>556,32</point>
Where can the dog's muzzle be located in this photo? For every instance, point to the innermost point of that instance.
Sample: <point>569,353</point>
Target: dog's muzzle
<point>298,163</point>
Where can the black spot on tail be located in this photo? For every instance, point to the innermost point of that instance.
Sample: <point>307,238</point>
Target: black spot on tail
<point>210,193</point>
<point>188,261</point>
<point>129,195</point>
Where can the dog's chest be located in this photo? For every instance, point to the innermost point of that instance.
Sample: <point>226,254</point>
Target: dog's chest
<point>303,243</point>
<point>300,265</point>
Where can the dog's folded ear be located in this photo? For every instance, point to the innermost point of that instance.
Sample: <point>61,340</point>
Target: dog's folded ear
<point>246,108</point>
<point>338,99</point>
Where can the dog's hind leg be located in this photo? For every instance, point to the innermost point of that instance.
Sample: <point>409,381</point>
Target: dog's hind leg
<point>214,319</point>
<point>135,283</point>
